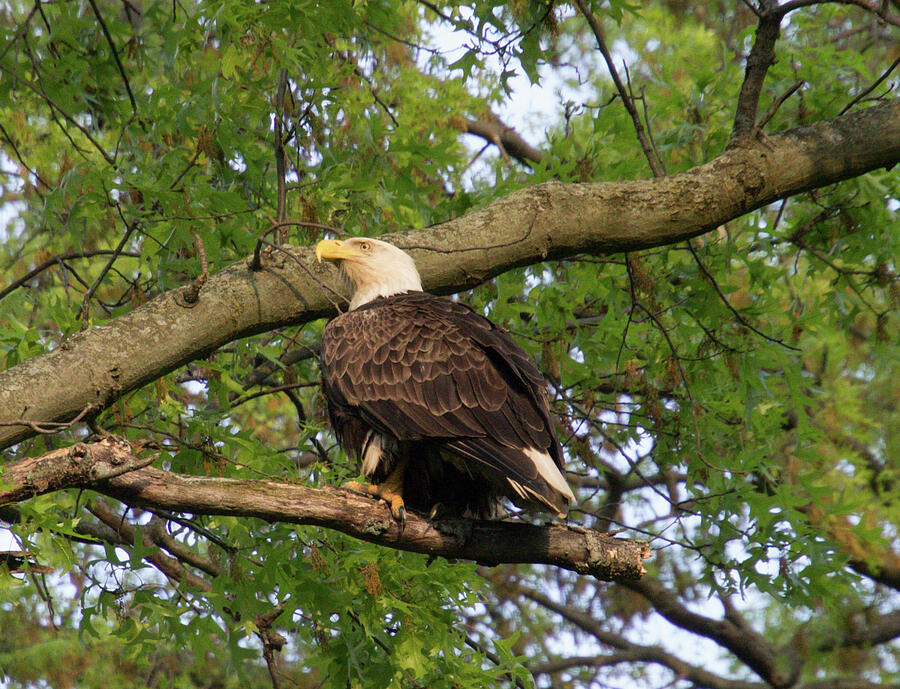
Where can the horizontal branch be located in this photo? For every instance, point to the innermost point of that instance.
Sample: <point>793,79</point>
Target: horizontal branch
<point>552,220</point>
<point>99,466</point>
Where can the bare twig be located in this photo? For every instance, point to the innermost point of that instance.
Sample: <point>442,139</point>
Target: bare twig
<point>743,321</point>
<point>863,94</point>
<point>15,149</point>
<point>270,391</point>
<point>256,262</point>
<point>627,99</point>
<point>38,88</point>
<point>48,427</point>
<point>280,158</point>
<point>85,306</point>
<point>61,259</point>
<point>770,113</point>
<point>21,30</point>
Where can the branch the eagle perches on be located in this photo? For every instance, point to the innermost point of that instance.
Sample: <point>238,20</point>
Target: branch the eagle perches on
<point>551,220</point>
<point>111,467</point>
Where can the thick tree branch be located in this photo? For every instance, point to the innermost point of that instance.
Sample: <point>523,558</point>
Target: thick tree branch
<point>487,542</point>
<point>586,552</point>
<point>552,220</point>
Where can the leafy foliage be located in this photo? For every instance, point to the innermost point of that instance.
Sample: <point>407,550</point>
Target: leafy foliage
<point>731,399</point>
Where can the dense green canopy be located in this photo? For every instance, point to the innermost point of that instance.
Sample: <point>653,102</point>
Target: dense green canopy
<point>686,212</point>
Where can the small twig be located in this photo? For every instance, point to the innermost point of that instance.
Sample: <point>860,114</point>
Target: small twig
<point>659,158</point>
<point>15,149</point>
<point>869,90</point>
<point>678,359</point>
<point>743,321</point>
<point>22,28</point>
<point>844,273</point>
<point>301,416</point>
<point>306,270</point>
<point>627,99</point>
<point>271,391</point>
<point>61,259</point>
<point>256,262</point>
<point>770,113</point>
<point>112,259</point>
<point>280,169</point>
<point>186,168</point>
<point>44,426</point>
<point>193,292</point>
<point>42,93</point>
<point>112,47</point>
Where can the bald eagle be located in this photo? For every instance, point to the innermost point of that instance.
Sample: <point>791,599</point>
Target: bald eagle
<point>442,408</point>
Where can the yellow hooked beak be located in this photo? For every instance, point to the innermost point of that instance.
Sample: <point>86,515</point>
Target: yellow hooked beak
<point>335,250</point>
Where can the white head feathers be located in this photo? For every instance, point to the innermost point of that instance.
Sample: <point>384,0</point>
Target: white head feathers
<point>374,268</point>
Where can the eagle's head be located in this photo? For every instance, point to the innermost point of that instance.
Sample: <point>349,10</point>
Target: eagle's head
<point>374,268</point>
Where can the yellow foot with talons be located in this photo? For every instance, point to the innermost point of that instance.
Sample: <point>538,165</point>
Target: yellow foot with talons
<point>384,492</point>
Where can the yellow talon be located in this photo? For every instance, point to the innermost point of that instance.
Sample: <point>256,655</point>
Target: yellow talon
<point>384,491</point>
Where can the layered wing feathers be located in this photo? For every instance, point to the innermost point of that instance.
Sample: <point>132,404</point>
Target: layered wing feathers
<point>418,366</point>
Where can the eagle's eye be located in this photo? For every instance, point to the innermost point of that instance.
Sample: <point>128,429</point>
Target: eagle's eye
<point>365,246</point>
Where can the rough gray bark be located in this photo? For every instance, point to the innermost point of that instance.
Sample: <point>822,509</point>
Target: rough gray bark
<point>69,467</point>
<point>550,220</point>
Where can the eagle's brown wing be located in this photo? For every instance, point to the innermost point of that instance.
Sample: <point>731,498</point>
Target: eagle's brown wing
<point>417,366</point>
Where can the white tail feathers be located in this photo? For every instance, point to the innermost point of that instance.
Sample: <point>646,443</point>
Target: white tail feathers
<point>547,470</point>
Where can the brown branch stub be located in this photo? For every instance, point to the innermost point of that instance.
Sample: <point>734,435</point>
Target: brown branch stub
<point>81,464</point>
<point>193,292</point>
<point>507,139</point>
<point>587,552</point>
